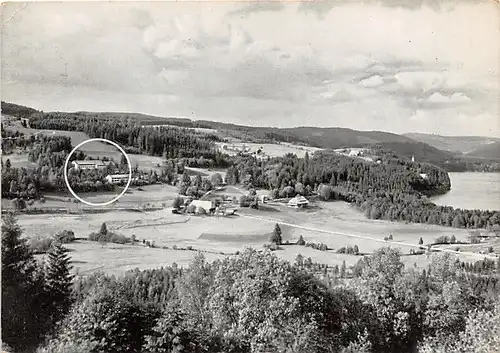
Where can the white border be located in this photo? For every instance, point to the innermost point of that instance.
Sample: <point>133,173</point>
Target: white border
<point>104,203</point>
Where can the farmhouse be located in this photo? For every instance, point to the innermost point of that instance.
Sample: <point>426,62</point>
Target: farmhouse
<point>117,178</point>
<point>25,122</point>
<point>423,176</point>
<point>91,164</point>
<point>298,201</point>
<point>208,206</point>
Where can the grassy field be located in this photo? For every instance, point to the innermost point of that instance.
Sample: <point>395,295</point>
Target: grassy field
<point>217,235</point>
<point>88,257</point>
<point>153,195</point>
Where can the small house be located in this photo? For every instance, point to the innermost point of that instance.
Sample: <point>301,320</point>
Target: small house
<point>298,202</point>
<point>424,176</point>
<point>117,178</point>
<point>208,206</point>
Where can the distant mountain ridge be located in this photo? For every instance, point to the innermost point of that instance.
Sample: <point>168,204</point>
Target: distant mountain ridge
<point>461,144</point>
<point>490,150</point>
<point>446,151</point>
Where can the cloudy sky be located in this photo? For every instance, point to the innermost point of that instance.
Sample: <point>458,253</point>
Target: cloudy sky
<point>374,65</point>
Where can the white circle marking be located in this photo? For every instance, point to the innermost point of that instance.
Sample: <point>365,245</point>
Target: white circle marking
<point>129,172</point>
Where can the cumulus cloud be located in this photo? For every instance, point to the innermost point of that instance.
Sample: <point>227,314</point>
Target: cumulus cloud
<point>372,81</point>
<point>359,65</point>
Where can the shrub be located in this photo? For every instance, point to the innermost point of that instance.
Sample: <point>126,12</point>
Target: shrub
<point>65,236</point>
<point>41,244</point>
<point>177,202</point>
<point>443,239</point>
<point>191,209</point>
<point>301,240</point>
<point>272,247</point>
<point>109,238</point>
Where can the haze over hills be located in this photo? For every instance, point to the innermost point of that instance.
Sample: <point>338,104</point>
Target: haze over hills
<point>490,150</point>
<point>462,144</point>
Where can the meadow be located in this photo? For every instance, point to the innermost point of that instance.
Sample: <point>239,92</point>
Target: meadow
<point>221,236</point>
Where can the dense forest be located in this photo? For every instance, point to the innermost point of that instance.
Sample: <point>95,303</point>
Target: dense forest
<point>250,302</point>
<point>169,142</point>
<point>393,190</point>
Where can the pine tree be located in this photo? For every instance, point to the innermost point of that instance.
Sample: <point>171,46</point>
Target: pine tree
<point>20,312</point>
<point>343,270</point>
<point>276,236</point>
<point>421,241</point>
<point>301,240</point>
<point>58,281</point>
<point>104,229</point>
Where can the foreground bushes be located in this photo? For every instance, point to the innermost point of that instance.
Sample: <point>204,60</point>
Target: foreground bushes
<point>255,302</point>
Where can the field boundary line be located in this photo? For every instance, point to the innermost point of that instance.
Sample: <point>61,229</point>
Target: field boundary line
<point>271,220</point>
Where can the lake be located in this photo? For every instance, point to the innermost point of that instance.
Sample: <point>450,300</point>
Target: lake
<point>472,191</point>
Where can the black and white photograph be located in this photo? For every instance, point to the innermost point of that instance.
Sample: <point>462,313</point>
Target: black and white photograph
<point>317,176</point>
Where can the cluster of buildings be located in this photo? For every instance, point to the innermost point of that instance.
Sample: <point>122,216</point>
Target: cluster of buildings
<point>97,164</point>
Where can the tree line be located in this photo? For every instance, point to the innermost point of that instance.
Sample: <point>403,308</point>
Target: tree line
<point>250,302</point>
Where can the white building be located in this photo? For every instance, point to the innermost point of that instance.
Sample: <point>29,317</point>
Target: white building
<point>298,201</point>
<point>117,178</point>
<point>90,164</point>
<point>423,176</point>
<point>208,206</point>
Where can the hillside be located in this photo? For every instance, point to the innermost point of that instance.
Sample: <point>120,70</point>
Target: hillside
<point>334,137</point>
<point>462,144</point>
<point>424,147</point>
<point>421,151</point>
<point>491,150</point>
<point>331,137</point>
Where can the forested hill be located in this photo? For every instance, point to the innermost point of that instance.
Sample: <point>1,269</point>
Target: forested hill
<point>331,137</point>
<point>396,189</point>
